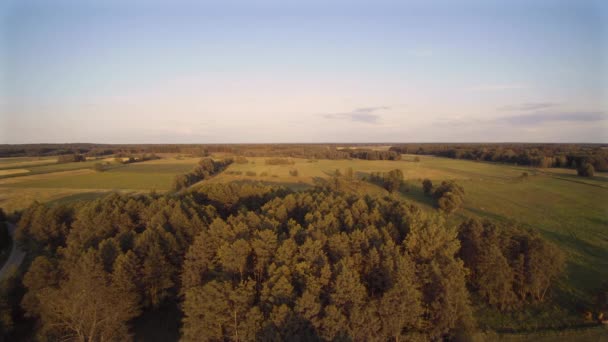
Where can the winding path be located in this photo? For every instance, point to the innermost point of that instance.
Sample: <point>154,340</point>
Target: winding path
<point>16,257</point>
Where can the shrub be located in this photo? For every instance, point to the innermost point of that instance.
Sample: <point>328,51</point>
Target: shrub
<point>427,186</point>
<point>450,196</point>
<point>293,172</point>
<point>586,170</point>
<point>250,173</point>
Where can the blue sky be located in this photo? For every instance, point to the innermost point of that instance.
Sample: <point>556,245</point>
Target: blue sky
<point>306,71</point>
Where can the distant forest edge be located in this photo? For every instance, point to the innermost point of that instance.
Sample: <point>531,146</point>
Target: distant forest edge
<point>527,154</point>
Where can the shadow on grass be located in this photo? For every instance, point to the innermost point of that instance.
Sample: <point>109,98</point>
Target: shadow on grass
<point>415,193</point>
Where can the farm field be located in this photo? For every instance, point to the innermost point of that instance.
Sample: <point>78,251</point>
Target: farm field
<point>74,181</point>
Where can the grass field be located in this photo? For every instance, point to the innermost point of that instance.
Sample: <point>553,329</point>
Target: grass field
<point>73,181</point>
<point>569,210</point>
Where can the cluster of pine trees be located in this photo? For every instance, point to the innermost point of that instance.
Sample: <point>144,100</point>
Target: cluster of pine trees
<point>206,167</point>
<point>248,262</point>
<point>508,267</point>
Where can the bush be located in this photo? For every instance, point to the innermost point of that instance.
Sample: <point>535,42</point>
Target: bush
<point>293,172</point>
<point>586,170</point>
<point>264,174</point>
<point>427,186</point>
<point>250,173</point>
<point>450,196</point>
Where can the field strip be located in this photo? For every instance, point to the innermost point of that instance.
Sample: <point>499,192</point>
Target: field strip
<point>7,172</point>
<point>50,175</point>
<point>30,163</point>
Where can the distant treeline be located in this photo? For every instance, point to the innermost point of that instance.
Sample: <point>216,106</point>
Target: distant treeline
<point>247,262</point>
<point>308,151</point>
<point>538,155</point>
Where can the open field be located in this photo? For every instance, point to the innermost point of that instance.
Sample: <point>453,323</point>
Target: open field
<point>73,181</point>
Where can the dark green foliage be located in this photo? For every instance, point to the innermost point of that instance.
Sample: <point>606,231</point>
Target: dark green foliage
<point>537,155</point>
<point>250,262</point>
<point>206,168</point>
<point>391,181</point>
<point>427,186</point>
<point>450,196</point>
<point>70,158</point>
<point>586,170</point>
<point>509,266</point>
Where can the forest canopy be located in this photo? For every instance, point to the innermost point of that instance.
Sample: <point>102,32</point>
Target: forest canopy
<point>248,261</point>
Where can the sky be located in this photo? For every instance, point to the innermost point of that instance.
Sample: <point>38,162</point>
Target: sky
<point>303,71</point>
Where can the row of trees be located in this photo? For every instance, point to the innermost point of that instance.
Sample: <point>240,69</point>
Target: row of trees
<point>71,158</point>
<point>206,167</point>
<point>391,181</point>
<point>537,155</point>
<point>249,262</point>
<point>368,154</point>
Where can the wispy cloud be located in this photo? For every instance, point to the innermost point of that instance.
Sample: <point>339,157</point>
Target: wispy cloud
<point>364,114</point>
<point>538,118</point>
<point>527,121</point>
<point>528,106</point>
